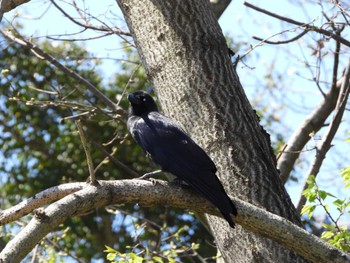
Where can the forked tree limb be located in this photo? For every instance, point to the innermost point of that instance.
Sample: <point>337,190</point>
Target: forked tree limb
<point>312,124</point>
<point>145,193</point>
<point>327,139</point>
<point>43,198</point>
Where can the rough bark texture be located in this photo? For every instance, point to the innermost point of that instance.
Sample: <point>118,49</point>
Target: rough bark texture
<point>219,6</point>
<point>185,54</point>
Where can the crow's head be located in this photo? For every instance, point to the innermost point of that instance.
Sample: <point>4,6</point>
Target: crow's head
<point>141,103</point>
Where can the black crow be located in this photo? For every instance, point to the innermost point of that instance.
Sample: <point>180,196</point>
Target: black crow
<point>166,144</point>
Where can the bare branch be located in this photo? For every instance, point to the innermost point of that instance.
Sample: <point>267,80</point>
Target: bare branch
<point>118,163</point>
<point>89,161</point>
<point>336,63</point>
<point>42,55</point>
<point>262,41</point>
<point>116,31</point>
<point>281,42</point>
<point>328,137</point>
<point>306,26</point>
<point>123,191</point>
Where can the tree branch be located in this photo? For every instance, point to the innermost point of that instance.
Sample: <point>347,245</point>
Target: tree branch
<point>43,55</point>
<point>45,197</point>
<point>123,191</point>
<point>312,124</point>
<point>328,137</point>
<point>116,31</point>
<point>281,41</point>
<point>306,26</point>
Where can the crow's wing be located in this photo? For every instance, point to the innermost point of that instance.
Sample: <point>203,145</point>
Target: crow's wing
<point>170,147</point>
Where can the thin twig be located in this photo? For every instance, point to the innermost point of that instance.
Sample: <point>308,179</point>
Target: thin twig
<point>281,41</point>
<point>78,116</point>
<point>281,151</point>
<point>262,41</point>
<point>129,82</point>
<point>336,59</point>
<point>118,163</point>
<point>86,150</point>
<point>306,26</point>
<point>88,25</point>
<point>79,39</point>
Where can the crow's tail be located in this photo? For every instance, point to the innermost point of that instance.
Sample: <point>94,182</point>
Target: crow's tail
<point>228,219</point>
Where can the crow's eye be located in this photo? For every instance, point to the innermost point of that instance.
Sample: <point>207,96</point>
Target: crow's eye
<point>143,99</point>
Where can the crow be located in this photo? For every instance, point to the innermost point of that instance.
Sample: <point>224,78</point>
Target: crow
<point>167,145</point>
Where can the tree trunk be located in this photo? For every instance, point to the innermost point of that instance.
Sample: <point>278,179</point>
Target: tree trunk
<point>186,57</point>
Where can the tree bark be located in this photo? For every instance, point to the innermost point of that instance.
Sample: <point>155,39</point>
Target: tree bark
<point>219,6</point>
<point>186,57</point>
<point>85,197</point>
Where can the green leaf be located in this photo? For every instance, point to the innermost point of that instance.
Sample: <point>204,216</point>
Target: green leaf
<point>110,249</point>
<point>339,203</point>
<point>322,194</point>
<point>135,258</point>
<point>345,174</point>
<point>328,227</point>
<point>158,259</point>
<point>311,180</point>
<point>309,209</point>
<point>111,256</point>
<point>312,197</point>
<point>327,235</point>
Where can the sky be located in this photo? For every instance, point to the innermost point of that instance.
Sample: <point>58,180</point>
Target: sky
<point>41,18</point>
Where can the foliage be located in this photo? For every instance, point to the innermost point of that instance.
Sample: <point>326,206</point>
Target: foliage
<point>336,234</point>
<point>170,247</point>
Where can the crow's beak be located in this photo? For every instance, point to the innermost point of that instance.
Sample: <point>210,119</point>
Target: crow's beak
<point>133,99</point>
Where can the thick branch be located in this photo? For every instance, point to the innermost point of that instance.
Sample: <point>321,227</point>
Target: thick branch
<point>148,194</point>
<point>45,197</point>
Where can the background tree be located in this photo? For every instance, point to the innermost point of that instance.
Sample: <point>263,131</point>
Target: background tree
<point>70,100</point>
